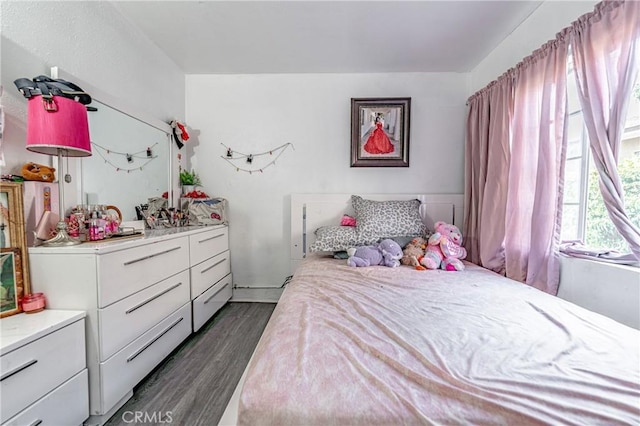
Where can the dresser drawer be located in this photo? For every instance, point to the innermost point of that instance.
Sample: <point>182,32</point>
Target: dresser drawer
<point>123,321</point>
<point>206,244</point>
<point>211,301</point>
<point>33,370</point>
<point>126,368</point>
<point>209,272</point>
<point>68,404</point>
<point>125,272</point>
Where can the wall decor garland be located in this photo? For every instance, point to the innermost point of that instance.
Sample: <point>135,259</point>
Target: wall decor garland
<point>131,157</point>
<point>233,157</point>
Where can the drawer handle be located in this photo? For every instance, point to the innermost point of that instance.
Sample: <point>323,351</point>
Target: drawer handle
<point>152,341</point>
<point>210,238</point>
<point>36,423</point>
<point>152,298</point>
<point>18,369</point>
<point>216,293</point>
<point>213,266</point>
<point>150,256</point>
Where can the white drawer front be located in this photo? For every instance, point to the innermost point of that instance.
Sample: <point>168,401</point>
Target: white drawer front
<point>211,301</point>
<point>126,368</point>
<point>125,272</point>
<point>66,405</point>
<point>209,272</point>
<point>122,322</point>
<point>206,244</point>
<point>30,372</point>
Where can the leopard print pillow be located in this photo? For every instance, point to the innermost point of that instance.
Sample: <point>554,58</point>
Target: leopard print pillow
<point>334,238</point>
<point>386,219</point>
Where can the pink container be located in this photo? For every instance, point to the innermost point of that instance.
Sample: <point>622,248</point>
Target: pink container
<point>32,303</point>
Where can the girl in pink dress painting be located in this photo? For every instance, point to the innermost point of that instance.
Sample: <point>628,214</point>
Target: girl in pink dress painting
<point>378,142</point>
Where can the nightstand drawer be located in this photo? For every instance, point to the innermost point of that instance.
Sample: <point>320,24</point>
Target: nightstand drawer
<point>68,404</point>
<point>209,272</point>
<point>122,322</point>
<point>211,301</point>
<point>33,370</point>
<point>125,272</point>
<point>126,368</point>
<point>206,244</point>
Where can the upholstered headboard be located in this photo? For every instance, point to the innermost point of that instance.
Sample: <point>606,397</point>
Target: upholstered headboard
<point>310,211</point>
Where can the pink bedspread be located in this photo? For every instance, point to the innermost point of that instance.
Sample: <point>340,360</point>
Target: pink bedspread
<point>377,345</point>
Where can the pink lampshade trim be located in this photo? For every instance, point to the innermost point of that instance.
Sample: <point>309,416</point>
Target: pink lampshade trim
<point>66,128</point>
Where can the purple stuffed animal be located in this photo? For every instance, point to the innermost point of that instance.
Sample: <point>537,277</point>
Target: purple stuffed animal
<point>387,253</point>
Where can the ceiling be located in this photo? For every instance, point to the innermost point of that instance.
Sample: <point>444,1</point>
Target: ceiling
<point>249,37</point>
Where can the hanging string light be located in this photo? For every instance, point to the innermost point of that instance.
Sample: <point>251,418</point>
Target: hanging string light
<point>146,154</point>
<point>232,155</point>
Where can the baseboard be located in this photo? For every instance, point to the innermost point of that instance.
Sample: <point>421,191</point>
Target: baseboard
<point>261,295</point>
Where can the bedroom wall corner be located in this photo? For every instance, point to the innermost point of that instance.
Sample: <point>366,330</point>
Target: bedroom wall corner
<point>542,25</point>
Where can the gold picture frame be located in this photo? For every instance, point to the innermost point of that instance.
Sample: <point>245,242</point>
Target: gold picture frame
<point>14,266</point>
<point>12,281</point>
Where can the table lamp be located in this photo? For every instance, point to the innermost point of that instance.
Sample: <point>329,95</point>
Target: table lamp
<point>58,126</point>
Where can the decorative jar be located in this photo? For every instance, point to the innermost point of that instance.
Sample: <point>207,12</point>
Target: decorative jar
<point>32,303</point>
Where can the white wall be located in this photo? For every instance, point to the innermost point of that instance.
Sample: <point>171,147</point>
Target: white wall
<point>91,41</point>
<point>611,290</point>
<point>254,113</point>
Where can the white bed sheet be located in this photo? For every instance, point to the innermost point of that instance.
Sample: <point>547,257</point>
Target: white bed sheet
<point>377,345</point>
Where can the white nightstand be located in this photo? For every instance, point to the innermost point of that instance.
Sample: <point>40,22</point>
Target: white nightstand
<point>43,373</point>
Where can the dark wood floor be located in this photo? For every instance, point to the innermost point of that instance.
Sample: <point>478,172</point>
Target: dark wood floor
<point>196,382</point>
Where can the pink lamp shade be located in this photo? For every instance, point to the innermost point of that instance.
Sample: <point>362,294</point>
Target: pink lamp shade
<point>61,125</point>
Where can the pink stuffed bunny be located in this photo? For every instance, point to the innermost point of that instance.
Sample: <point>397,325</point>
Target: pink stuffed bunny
<point>444,249</point>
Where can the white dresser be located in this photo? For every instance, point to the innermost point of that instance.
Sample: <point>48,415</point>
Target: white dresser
<point>43,374</point>
<point>211,284</point>
<point>138,296</point>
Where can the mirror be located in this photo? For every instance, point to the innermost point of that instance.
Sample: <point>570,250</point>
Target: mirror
<point>130,163</point>
<point>118,128</point>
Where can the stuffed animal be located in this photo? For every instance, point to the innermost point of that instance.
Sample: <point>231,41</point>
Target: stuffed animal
<point>387,253</point>
<point>33,171</point>
<point>444,250</point>
<point>413,253</point>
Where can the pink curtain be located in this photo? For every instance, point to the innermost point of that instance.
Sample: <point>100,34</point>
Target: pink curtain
<point>514,165</point>
<point>536,170</point>
<point>605,48</point>
<point>486,167</point>
<point>475,165</point>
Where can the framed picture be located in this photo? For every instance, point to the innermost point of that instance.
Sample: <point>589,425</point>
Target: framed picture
<point>13,245</point>
<point>380,132</point>
<point>11,281</point>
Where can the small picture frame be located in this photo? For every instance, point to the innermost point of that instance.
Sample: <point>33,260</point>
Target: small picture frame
<point>11,281</point>
<point>13,249</point>
<point>380,132</point>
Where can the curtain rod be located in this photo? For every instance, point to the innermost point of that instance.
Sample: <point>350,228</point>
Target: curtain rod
<point>598,9</point>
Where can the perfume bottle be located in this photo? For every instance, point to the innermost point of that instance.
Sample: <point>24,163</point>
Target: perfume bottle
<point>94,228</point>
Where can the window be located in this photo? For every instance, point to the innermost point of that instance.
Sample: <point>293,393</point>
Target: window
<point>584,215</point>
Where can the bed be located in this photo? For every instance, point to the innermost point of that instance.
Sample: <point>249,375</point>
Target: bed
<point>377,345</point>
